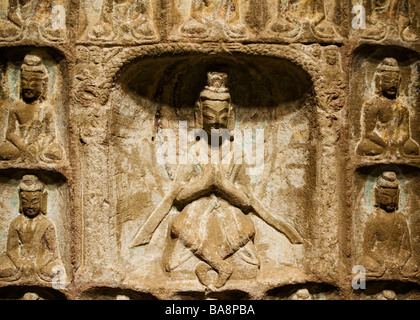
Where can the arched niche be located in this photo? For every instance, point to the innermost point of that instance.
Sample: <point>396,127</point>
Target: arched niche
<point>56,96</point>
<point>269,93</point>
<point>402,231</point>
<point>58,213</point>
<point>364,69</point>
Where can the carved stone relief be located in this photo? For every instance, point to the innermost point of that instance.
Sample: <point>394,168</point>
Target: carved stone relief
<point>32,253</point>
<point>212,19</point>
<point>119,21</point>
<point>31,133</point>
<point>390,20</point>
<point>386,213</point>
<point>389,110</point>
<point>305,19</point>
<point>209,149</point>
<point>43,20</point>
<point>194,245</point>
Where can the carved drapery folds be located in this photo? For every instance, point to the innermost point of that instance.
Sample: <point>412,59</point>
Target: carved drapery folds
<point>389,20</point>
<point>126,21</point>
<point>34,19</point>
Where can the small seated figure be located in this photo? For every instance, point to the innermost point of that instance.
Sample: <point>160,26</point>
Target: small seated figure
<point>379,14</point>
<point>387,247</point>
<point>386,118</point>
<point>22,13</point>
<point>204,12</point>
<point>31,296</point>
<point>293,12</point>
<point>386,295</point>
<point>301,294</point>
<point>32,248</point>
<point>31,128</point>
<point>123,19</point>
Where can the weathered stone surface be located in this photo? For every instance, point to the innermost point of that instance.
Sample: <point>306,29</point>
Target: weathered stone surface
<point>209,149</point>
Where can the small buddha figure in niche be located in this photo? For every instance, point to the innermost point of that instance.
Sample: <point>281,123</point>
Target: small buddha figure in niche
<point>301,294</point>
<point>386,118</point>
<point>31,296</point>
<point>386,295</point>
<point>32,249</point>
<point>213,223</point>
<point>386,246</point>
<point>204,13</point>
<point>31,129</point>
<point>123,20</point>
<point>292,12</point>
<point>379,14</point>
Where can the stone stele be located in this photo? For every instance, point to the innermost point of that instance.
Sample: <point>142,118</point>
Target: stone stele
<point>209,149</point>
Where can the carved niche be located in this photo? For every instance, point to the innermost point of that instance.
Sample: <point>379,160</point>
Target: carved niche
<point>204,224</point>
<point>384,107</point>
<point>34,112</point>
<point>386,222</point>
<point>34,218</point>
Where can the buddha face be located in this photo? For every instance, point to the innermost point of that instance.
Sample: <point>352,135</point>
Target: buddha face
<point>389,83</point>
<point>31,203</point>
<point>215,115</point>
<point>32,87</point>
<point>387,198</point>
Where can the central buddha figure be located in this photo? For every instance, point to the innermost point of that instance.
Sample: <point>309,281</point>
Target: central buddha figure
<point>214,222</point>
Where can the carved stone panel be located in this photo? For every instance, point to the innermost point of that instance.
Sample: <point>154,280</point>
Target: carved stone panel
<point>34,114</point>
<point>39,20</point>
<point>390,20</point>
<point>35,213</point>
<point>160,237</point>
<point>118,21</point>
<point>385,225</point>
<point>209,149</point>
<point>385,110</point>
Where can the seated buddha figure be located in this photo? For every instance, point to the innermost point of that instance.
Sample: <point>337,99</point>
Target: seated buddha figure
<point>32,248</point>
<point>386,117</point>
<point>31,129</point>
<point>387,245</point>
<point>205,13</point>
<point>123,20</point>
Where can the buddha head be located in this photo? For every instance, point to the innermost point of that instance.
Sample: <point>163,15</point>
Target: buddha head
<point>32,196</point>
<point>33,78</point>
<point>214,111</point>
<point>388,78</point>
<point>387,192</point>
